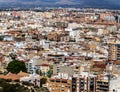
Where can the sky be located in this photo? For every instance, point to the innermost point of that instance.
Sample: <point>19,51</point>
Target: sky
<point>91,3</point>
<point>65,1</point>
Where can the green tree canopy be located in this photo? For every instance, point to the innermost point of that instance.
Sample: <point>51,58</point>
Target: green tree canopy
<point>39,72</point>
<point>7,87</point>
<point>43,81</point>
<point>49,73</point>
<point>16,66</point>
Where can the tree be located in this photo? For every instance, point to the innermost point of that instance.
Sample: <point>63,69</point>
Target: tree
<point>49,73</point>
<point>43,89</point>
<point>16,66</point>
<point>39,72</point>
<point>51,67</point>
<point>43,81</point>
<point>1,38</point>
<point>6,86</point>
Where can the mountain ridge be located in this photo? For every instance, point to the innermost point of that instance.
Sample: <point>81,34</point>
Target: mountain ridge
<point>79,3</point>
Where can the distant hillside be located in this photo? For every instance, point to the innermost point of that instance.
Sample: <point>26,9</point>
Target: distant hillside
<point>113,4</point>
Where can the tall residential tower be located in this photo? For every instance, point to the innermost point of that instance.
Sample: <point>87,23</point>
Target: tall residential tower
<point>114,51</point>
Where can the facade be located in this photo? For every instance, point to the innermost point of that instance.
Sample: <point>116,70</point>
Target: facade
<point>8,38</point>
<point>62,69</point>
<point>114,51</point>
<point>83,84</point>
<point>65,38</point>
<point>77,83</point>
<point>102,86</point>
<point>118,18</point>
<point>32,78</point>
<point>31,66</point>
<point>58,57</point>
<point>60,83</point>
<point>44,68</point>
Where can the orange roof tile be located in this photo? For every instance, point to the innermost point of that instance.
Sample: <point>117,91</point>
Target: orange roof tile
<point>2,76</point>
<point>22,74</point>
<point>12,76</point>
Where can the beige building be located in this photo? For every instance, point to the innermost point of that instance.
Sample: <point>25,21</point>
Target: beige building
<point>60,83</point>
<point>102,86</point>
<point>44,68</point>
<point>114,51</point>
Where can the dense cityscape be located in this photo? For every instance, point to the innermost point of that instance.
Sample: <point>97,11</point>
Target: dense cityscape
<point>60,50</point>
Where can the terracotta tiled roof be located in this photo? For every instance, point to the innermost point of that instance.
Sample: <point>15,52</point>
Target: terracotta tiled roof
<point>117,62</point>
<point>22,74</point>
<point>2,76</point>
<point>12,76</point>
<point>99,65</point>
<point>96,69</point>
<point>43,65</point>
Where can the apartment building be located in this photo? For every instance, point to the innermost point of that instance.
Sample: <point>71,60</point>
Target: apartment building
<point>114,51</point>
<point>58,57</point>
<point>84,84</point>
<point>60,83</point>
<point>102,86</point>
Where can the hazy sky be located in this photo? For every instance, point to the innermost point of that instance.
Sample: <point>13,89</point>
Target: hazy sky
<point>65,1</point>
